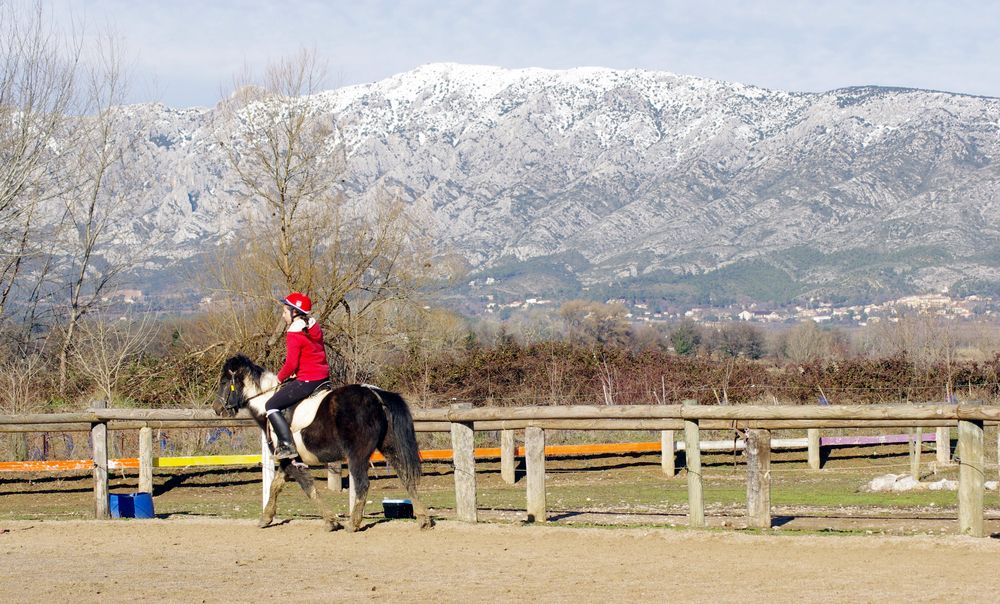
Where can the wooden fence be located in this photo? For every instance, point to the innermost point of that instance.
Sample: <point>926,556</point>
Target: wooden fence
<point>462,421</point>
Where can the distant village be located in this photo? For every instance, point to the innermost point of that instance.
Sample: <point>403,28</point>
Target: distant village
<point>940,305</point>
<point>937,304</point>
<point>823,312</point>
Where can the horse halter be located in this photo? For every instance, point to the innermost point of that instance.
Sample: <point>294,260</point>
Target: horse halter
<point>229,404</point>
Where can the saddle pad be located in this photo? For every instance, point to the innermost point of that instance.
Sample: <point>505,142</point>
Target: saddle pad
<point>301,414</point>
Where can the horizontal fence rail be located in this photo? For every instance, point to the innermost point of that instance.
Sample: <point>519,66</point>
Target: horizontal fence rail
<point>186,461</point>
<point>689,419</point>
<point>572,417</point>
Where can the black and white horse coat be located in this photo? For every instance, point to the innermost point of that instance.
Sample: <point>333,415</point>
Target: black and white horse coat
<point>345,423</point>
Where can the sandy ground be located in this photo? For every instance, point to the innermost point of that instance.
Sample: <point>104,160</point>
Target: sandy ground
<point>208,560</point>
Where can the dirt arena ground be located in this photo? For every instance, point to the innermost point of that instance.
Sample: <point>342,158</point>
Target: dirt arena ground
<point>615,533</point>
<point>226,560</point>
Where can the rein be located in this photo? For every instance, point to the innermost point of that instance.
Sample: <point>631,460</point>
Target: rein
<point>232,389</point>
<point>263,392</point>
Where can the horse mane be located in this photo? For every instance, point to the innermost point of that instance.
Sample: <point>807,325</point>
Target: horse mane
<point>241,364</point>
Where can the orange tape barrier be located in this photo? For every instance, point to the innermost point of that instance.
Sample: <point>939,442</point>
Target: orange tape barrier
<point>63,465</point>
<point>132,463</point>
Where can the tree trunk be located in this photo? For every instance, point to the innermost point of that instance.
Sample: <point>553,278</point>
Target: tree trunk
<point>64,350</point>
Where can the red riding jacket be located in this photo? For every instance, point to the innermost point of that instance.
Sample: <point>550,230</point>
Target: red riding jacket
<point>306,358</point>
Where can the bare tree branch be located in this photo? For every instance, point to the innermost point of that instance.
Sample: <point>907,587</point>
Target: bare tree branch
<point>301,234</point>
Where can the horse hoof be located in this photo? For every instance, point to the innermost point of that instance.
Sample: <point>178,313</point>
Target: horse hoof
<point>426,523</point>
<point>263,523</point>
<point>334,526</point>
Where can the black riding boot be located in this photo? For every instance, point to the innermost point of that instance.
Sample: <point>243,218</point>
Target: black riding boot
<point>286,446</point>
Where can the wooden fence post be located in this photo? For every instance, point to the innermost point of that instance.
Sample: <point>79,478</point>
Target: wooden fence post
<point>99,443</point>
<point>534,459</point>
<point>758,447</point>
<point>667,453</point>
<point>942,445</point>
<point>916,448</point>
<point>145,459</point>
<point>464,461</point>
<point>692,453</point>
<point>815,458</point>
<point>508,457</point>
<point>21,446</point>
<point>970,477</point>
<point>335,477</point>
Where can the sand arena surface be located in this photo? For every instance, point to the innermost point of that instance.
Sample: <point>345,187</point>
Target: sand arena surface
<point>208,560</point>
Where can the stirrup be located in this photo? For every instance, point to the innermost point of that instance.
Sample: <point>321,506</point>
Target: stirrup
<point>285,451</point>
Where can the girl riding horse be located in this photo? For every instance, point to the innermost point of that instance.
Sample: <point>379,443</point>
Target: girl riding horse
<point>305,368</point>
<point>347,423</point>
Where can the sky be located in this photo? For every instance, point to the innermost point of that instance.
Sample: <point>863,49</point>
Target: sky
<point>185,53</point>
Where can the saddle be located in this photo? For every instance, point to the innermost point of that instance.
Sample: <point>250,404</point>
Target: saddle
<point>322,390</point>
<point>289,412</point>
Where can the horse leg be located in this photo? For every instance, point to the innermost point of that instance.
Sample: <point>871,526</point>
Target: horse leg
<point>272,500</point>
<point>308,484</point>
<point>424,520</point>
<point>409,481</point>
<point>359,472</point>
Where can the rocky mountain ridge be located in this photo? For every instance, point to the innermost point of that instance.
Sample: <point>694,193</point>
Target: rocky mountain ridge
<point>633,181</point>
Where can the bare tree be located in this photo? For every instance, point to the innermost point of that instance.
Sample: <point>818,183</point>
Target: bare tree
<point>535,325</point>
<point>924,339</point>
<point>106,346</point>
<point>609,380</point>
<point>22,384</point>
<point>280,147</point>
<point>37,93</point>
<point>428,335</point>
<point>594,323</point>
<point>96,197</point>
<point>806,342</point>
<point>301,234</point>
<point>61,181</point>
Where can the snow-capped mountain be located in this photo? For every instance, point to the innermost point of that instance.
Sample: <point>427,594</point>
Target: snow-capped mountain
<point>676,185</point>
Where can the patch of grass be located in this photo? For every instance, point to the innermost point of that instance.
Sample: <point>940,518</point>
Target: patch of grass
<point>630,485</point>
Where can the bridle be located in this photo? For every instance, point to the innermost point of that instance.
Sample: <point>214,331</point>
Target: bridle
<point>230,392</point>
<point>232,402</point>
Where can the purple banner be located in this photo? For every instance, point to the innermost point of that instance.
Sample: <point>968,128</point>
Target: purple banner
<point>886,439</point>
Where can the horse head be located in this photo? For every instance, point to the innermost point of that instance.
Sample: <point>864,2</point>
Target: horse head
<point>239,374</point>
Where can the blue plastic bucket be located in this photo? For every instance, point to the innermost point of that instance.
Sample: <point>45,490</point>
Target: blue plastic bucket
<point>131,505</point>
<point>397,508</point>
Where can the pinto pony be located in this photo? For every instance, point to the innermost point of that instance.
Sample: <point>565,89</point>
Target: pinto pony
<point>349,422</point>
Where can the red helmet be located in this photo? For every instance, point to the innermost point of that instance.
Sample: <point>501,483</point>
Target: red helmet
<point>299,302</point>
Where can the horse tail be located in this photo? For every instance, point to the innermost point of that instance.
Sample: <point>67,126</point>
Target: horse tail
<point>400,445</point>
